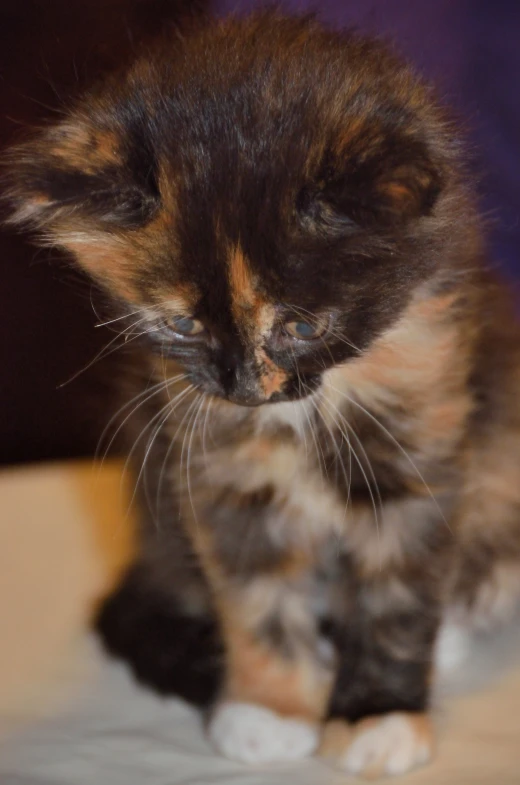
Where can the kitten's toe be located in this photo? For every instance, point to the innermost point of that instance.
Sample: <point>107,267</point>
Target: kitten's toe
<point>379,746</point>
<point>254,734</point>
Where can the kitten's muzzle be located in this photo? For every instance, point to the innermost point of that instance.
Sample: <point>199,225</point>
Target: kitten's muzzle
<point>241,400</point>
<point>257,399</point>
<point>246,383</point>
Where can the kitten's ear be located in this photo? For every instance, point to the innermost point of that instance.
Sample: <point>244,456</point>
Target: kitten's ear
<point>77,172</point>
<point>390,184</point>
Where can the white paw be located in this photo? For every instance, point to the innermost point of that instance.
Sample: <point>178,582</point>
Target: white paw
<point>393,744</point>
<point>253,734</point>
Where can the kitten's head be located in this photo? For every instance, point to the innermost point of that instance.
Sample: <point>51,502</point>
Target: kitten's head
<point>268,193</point>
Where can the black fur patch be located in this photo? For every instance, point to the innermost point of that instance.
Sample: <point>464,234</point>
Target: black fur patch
<point>169,651</point>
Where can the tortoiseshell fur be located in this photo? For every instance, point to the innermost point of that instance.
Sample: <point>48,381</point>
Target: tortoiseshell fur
<point>311,510</point>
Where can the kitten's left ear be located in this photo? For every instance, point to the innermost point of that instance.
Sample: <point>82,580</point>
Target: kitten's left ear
<point>82,170</point>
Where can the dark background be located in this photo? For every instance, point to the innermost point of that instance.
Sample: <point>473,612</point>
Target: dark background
<point>50,49</point>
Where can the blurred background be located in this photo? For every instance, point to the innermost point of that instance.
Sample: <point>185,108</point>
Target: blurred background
<point>51,49</point>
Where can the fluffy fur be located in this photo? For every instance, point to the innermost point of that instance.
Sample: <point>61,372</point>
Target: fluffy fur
<point>312,504</point>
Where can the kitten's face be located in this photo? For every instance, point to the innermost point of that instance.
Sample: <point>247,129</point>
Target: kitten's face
<point>268,194</point>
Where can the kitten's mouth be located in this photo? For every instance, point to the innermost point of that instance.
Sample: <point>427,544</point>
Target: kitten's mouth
<point>253,401</point>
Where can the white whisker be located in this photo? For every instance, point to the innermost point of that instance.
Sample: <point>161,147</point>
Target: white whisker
<point>193,424</point>
<point>101,355</point>
<point>173,442</point>
<point>337,447</point>
<point>164,412</point>
<point>149,392</point>
<point>361,468</point>
<point>399,447</point>
<point>204,431</point>
<point>118,318</point>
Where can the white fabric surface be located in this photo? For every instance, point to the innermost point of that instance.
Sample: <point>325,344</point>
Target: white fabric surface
<point>112,732</point>
<point>116,733</point>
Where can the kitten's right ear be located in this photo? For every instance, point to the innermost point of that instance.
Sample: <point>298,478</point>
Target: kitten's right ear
<point>82,172</point>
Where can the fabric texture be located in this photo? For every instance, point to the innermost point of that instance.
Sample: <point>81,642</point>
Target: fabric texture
<point>84,721</point>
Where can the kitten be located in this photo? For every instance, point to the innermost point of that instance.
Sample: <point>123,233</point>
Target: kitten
<point>322,406</point>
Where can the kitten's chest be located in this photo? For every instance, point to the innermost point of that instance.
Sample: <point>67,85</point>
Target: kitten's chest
<point>276,493</point>
<point>265,478</point>
<point>294,454</point>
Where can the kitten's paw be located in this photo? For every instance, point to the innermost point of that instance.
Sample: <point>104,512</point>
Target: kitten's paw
<point>379,746</point>
<point>249,733</point>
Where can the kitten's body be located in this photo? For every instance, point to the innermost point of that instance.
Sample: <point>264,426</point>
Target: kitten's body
<point>311,519</point>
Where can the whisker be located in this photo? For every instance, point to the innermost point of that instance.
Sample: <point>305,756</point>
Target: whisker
<point>169,407</point>
<point>317,446</point>
<point>363,472</point>
<point>173,442</point>
<point>104,353</point>
<point>194,408</point>
<point>337,447</point>
<point>204,431</point>
<point>399,447</point>
<point>118,318</point>
<point>339,460</point>
<point>161,416</point>
<point>300,389</point>
<point>149,392</point>
<point>319,451</point>
<point>189,455</point>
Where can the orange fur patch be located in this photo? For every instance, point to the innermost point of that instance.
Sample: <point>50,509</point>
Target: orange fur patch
<point>243,292</point>
<point>248,304</point>
<point>181,302</point>
<point>85,149</point>
<point>272,378</point>
<point>259,674</point>
<point>296,686</point>
<point>107,147</point>
<point>422,360</point>
<point>412,354</point>
<point>256,317</point>
<point>104,257</point>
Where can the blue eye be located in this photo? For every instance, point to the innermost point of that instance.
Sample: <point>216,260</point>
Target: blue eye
<point>304,330</point>
<point>185,325</point>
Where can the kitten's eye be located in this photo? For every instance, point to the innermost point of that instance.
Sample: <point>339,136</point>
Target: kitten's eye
<point>185,325</point>
<point>304,330</point>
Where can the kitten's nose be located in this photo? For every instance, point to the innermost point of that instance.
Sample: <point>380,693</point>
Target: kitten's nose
<point>243,390</point>
<point>239,382</point>
<point>229,371</point>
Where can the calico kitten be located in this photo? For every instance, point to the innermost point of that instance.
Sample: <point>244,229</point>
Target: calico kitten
<point>322,406</point>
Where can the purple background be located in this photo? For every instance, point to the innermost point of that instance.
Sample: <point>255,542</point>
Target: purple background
<point>471,49</point>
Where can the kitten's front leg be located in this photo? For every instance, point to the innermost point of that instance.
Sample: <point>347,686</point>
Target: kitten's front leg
<point>276,689</point>
<point>260,550</point>
<point>379,722</point>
